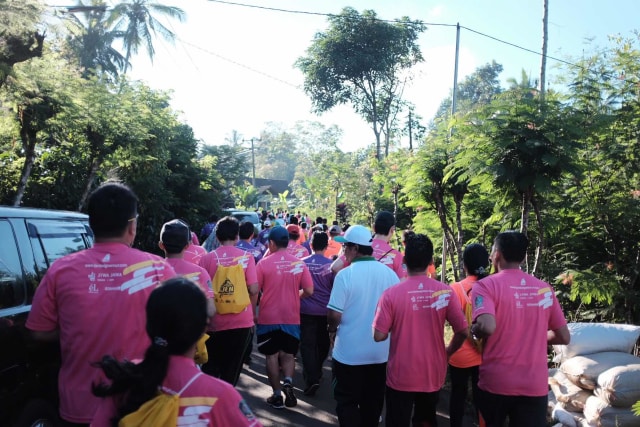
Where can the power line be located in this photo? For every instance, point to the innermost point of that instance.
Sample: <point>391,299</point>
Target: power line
<point>239,64</point>
<point>519,47</point>
<point>437,24</point>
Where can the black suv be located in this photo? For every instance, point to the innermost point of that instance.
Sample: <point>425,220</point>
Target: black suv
<point>30,241</point>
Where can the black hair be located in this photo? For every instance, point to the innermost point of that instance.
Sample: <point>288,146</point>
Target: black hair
<point>246,229</point>
<point>418,252</point>
<point>176,319</point>
<point>319,240</point>
<point>227,229</point>
<point>293,219</point>
<point>294,236</point>
<point>362,250</point>
<point>111,207</point>
<point>280,243</point>
<point>213,218</point>
<point>476,260</point>
<point>319,220</point>
<point>383,222</point>
<point>406,234</point>
<point>303,225</point>
<point>512,245</point>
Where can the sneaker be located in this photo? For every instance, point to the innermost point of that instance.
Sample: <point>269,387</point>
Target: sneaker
<point>275,402</point>
<point>311,390</point>
<point>289,398</point>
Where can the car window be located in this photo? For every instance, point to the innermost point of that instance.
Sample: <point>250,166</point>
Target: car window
<point>55,239</point>
<point>247,217</point>
<point>12,287</point>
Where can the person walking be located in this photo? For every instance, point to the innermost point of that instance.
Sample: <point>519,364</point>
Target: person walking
<point>414,312</point>
<point>93,301</point>
<point>464,364</point>
<point>230,332</point>
<point>284,280</point>
<point>519,316</point>
<point>177,316</point>
<point>359,363</point>
<point>314,338</point>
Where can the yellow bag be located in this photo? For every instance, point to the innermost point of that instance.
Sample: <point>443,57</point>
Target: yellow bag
<point>202,356</point>
<point>477,343</point>
<point>161,411</point>
<point>230,289</point>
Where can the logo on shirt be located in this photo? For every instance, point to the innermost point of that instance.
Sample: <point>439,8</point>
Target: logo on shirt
<point>106,258</point>
<point>297,268</point>
<point>478,302</point>
<point>93,289</point>
<point>420,286</point>
<point>442,301</point>
<point>92,276</point>
<point>523,282</point>
<point>546,300</point>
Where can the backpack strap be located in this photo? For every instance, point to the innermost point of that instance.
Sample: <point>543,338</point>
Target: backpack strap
<point>385,254</point>
<point>465,294</point>
<point>195,377</point>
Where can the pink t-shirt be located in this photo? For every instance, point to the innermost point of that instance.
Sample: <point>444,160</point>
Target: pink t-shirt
<point>514,360</point>
<point>204,400</point>
<point>193,272</point>
<point>96,298</point>
<point>297,250</point>
<point>228,256</point>
<point>466,356</point>
<point>414,311</point>
<point>388,256</point>
<point>194,253</point>
<point>281,276</point>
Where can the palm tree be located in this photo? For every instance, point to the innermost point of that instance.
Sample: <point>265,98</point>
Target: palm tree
<point>91,39</point>
<point>137,21</point>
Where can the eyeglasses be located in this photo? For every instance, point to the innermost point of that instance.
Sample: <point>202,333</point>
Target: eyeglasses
<point>135,218</point>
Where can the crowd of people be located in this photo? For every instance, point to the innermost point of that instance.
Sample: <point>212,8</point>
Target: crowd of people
<point>134,327</point>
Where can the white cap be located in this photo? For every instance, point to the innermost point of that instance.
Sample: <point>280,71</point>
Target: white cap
<point>357,234</point>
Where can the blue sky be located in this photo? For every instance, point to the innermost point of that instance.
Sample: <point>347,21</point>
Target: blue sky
<point>232,66</point>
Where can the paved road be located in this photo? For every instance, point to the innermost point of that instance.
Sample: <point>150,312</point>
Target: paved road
<point>316,411</point>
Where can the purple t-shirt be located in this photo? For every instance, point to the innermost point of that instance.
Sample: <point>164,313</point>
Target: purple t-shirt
<point>255,251</point>
<point>322,276</point>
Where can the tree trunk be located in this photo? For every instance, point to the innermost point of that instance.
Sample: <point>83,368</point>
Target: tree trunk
<point>93,171</point>
<point>540,243</point>
<point>524,216</point>
<point>545,36</point>
<point>442,215</point>
<point>459,241</point>
<point>29,146</point>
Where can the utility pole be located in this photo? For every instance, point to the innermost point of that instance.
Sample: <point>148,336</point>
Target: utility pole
<point>253,159</point>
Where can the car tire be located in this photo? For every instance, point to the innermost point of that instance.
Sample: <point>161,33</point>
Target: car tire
<point>38,413</point>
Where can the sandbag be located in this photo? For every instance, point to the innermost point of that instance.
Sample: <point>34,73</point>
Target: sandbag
<point>589,338</point>
<point>570,397</point>
<point>619,386</point>
<point>583,371</point>
<point>563,416</point>
<point>600,414</point>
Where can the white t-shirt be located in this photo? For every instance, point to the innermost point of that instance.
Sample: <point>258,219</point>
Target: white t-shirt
<point>355,294</point>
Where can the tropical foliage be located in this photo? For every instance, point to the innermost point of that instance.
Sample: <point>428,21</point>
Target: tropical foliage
<point>563,169</point>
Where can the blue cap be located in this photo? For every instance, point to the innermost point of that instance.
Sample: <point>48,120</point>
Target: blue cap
<point>279,234</point>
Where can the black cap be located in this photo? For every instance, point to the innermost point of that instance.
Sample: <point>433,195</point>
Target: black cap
<point>175,234</point>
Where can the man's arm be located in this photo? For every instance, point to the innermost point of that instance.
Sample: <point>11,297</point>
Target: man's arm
<point>379,336</point>
<point>306,292</point>
<point>559,336</point>
<point>456,342</point>
<point>333,320</point>
<point>484,326</point>
<point>337,265</point>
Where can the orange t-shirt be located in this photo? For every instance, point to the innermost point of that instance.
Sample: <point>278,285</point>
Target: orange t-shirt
<point>466,356</point>
<point>333,248</point>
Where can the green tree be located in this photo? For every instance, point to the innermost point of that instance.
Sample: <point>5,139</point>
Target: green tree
<point>362,60</point>
<point>138,22</point>
<point>91,40</point>
<point>19,38</point>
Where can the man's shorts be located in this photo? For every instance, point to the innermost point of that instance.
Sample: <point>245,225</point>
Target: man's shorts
<point>277,340</point>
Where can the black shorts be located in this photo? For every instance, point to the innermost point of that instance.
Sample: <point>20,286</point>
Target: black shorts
<point>278,340</point>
